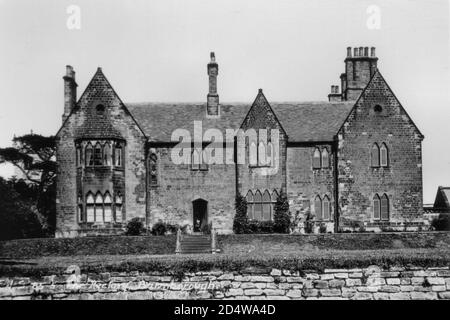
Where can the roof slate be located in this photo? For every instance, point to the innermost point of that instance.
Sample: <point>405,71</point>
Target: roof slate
<point>303,122</point>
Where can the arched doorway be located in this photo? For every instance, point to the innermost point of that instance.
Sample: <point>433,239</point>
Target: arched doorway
<point>200,214</point>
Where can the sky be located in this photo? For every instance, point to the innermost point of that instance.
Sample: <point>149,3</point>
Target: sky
<point>158,50</point>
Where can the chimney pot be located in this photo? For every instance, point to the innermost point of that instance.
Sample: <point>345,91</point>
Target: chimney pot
<point>366,51</point>
<point>361,51</point>
<point>355,52</point>
<point>372,52</point>
<point>349,51</point>
<point>213,57</point>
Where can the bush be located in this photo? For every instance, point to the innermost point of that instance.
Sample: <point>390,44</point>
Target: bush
<point>282,217</point>
<point>206,229</point>
<point>135,227</point>
<point>240,221</point>
<point>441,223</point>
<point>159,229</point>
<point>172,228</point>
<point>309,223</point>
<point>323,228</point>
<point>255,226</point>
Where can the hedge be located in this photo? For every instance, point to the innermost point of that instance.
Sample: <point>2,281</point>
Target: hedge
<point>105,245</point>
<point>254,263</point>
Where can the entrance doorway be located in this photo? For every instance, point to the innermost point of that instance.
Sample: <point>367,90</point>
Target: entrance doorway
<point>200,209</point>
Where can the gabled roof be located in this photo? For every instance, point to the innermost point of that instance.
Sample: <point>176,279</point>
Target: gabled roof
<point>303,122</point>
<point>442,200</point>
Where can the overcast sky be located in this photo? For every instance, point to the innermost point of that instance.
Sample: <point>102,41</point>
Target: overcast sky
<point>158,51</point>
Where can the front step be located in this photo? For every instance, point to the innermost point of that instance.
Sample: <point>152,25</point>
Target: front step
<point>195,244</point>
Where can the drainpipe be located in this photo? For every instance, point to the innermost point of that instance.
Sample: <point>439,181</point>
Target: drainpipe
<point>336,184</point>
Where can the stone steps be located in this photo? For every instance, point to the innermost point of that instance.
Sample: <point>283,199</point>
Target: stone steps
<point>195,244</point>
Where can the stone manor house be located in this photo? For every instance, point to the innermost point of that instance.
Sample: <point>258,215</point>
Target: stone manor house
<point>355,159</point>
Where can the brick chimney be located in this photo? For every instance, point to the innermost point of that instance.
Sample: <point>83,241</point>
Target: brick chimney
<point>213,107</point>
<point>334,95</point>
<point>359,69</point>
<point>70,92</point>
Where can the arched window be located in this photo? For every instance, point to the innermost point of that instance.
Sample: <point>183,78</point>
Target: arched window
<point>274,201</point>
<point>384,155</point>
<point>119,208</point>
<point>318,208</point>
<point>108,207</point>
<point>326,208</point>
<point>78,156</point>
<point>90,208</point>
<point>249,198</point>
<point>325,158</point>
<point>267,206</point>
<point>270,154</point>
<point>107,154</point>
<point>153,169</point>
<point>316,159</point>
<point>205,160</point>
<point>262,155</point>
<point>375,156</point>
<point>376,207</point>
<point>385,207</point>
<point>253,154</point>
<point>118,154</point>
<point>258,208</point>
<point>88,152</point>
<point>80,207</point>
<point>195,160</point>
<point>98,207</point>
<point>98,154</point>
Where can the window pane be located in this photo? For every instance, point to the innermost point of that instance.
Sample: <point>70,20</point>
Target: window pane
<point>118,213</point>
<point>316,159</point>
<point>80,213</point>
<point>88,154</point>
<point>376,207</point>
<point>318,208</point>
<point>90,213</point>
<point>253,154</point>
<point>258,210</point>
<point>384,207</point>
<point>107,155</point>
<point>249,199</point>
<point>204,162</point>
<point>270,161</point>
<point>375,156</point>
<point>108,213</point>
<point>118,156</point>
<point>384,155</point>
<point>261,154</point>
<point>326,209</point>
<point>325,158</point>
<point>98,155</point>
<point>195,160</point>
<point>266,205</point>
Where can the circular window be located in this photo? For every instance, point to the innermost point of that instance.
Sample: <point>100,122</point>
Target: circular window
<point>100,109</point>
<point>378,108</point>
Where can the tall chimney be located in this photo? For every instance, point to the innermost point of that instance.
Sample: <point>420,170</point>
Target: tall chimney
<point>212,107</point>
<point>70,92</point>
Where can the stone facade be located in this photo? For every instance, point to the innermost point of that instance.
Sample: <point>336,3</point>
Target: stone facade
<point>370,283</point>
<point>132,172</point>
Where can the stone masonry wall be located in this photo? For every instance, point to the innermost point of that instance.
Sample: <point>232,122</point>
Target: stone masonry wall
<point>401,180</point>
<point>370,283</point>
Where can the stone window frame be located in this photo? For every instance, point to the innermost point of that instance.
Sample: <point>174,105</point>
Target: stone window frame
<point>106,156</point>
<point>379,155</point>
<point>107,200</point>
<point>257,150</point>
<point>378,213</point>
<point>153,175</point>
<point>198,165</point>
<point>266,201</point>
<point>325,204</point>
<point>321,158</point>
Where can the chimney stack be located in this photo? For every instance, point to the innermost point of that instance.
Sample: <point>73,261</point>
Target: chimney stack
<point>212,107</point>
<point>70,92</point>
<point>334,95</point>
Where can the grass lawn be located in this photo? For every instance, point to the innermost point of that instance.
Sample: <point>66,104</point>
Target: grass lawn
<point>178,264</point>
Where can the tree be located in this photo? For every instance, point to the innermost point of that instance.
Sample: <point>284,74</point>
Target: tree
<point>34,156</point>
<point>240,222</point>
<point>18,217</point>
<point>282,217</point>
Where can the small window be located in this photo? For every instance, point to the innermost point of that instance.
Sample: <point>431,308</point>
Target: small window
<point>258,207</point>
<point>119,208</point>
<point>375,156</point>
<point>267,206</point>
<point>376,207</point>
<point>262,155</point>
<point>318,208</point>
<point>316,159</point>
<point>384,207</point>
<point>326,208</point>
<point>253,154</point>
<point>195,160</point>
<point>100,109</point>
<point>153,170</point>
<point>118,155</point>
<point>325,158</point>
<point>270,155</point>
<point>204,162</point>
<point>108,207</point>
<point>78,157</point>
<point>378,108</point>
<point>384,156</point>
<point>89,155</point>
<point>98,157</point>
<point>249,199</point>
<point>107,155</point>
<point>98,208</point>
<point>90,207</point>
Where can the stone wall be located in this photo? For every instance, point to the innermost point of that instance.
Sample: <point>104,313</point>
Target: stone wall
<point>401,180</point>
<point>370,283</point>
